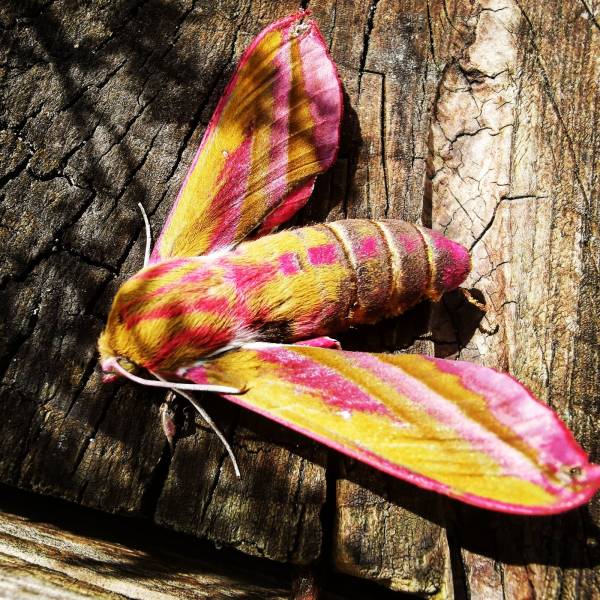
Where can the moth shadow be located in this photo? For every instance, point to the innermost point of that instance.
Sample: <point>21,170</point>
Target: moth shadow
<point>454,321</point>
<point>441,328</point>
<point>570,540</point>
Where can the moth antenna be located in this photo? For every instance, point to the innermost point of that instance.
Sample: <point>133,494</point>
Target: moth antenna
<point>148,235</point>
<point>171,385</point>
<point>209,420</point>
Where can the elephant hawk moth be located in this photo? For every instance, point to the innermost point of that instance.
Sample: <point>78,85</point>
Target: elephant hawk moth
<point>225,305</point>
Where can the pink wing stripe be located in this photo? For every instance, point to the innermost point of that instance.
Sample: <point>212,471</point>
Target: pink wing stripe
<point>280,127</point>
<point>229,199</point>
<point>292,204</point>
<point>449,414</point>
<point>333,389</point>
<point>529,420</point>
<point>323,81</point>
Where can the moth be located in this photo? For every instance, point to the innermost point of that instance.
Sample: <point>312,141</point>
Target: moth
<point>223,304</point>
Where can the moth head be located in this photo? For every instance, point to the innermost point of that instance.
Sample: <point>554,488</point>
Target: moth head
<point>170,315</point>
<point>107,347</point>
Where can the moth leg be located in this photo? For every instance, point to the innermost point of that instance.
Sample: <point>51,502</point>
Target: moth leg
<point>170,428</point>
<point>321,342</point>
<point>472,300</point>
<point>167,419</point>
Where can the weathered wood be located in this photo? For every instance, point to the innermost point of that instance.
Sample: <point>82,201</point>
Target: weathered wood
<point>42,560</point>
<point>52,549</point>
<point>479,118</point>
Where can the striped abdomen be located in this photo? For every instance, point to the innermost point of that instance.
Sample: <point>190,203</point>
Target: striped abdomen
<point>328,277</point>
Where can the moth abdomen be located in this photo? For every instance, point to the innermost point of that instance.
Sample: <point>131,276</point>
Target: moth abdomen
<point>325,278</point>
<point>391,265</point>
<point>284,287</point>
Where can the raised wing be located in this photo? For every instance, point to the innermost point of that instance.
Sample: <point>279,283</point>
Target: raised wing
<point>275,128</point>
<point>453,427</point>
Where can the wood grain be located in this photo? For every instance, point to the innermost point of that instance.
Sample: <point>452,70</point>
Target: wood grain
<point>40,559</point>
<point>477,118</point>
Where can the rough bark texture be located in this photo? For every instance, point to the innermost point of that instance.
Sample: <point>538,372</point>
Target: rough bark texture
<point>479,118</point>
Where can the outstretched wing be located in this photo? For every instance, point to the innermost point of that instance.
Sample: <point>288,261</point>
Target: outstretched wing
<point>453,427</point>
<point>275,128</point>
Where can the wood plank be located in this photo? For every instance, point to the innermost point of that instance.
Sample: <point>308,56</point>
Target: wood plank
<point>43,560</point>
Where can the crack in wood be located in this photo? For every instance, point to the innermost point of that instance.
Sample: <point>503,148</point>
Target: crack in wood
<point>366,39</point>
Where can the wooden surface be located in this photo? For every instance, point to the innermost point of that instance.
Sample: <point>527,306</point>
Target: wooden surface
<point>478,118</point>
<point>55,549</point>
<point>40,559</point>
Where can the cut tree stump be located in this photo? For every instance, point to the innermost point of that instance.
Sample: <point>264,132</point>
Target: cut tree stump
<point>479,118</point>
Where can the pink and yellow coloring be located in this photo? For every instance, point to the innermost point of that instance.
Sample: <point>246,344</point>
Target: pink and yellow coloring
<point>226,305</point>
